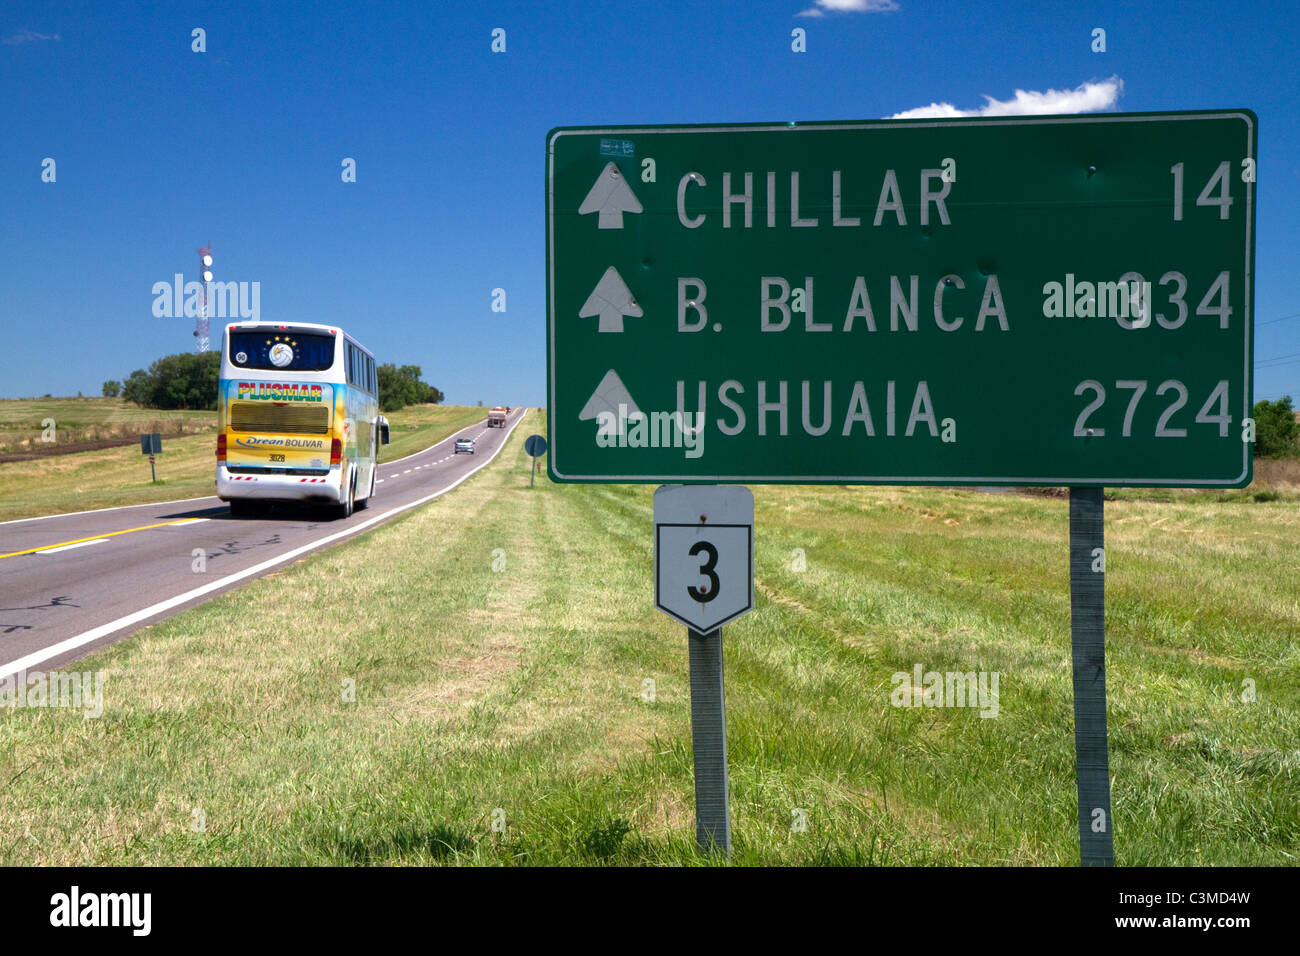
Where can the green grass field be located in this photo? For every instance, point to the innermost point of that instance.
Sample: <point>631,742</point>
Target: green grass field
<point>25,423</point>
<point>56,484</point>
<point>518,696</point>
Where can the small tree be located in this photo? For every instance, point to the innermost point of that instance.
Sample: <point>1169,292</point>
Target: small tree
<point>399,387</point>
<point>112,388</point>
<point>1277,433</point>
<point>138,388</point>
<point>184,380</point>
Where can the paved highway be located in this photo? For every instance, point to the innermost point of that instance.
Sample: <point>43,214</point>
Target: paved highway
<point>70,584</point>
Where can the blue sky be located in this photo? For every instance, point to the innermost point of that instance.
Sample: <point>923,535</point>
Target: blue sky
<point>160,149</point>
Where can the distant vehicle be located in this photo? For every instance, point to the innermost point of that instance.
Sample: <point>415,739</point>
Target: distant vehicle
<point>464,445</point>
<point>297,417</point>
<point>497,417</point>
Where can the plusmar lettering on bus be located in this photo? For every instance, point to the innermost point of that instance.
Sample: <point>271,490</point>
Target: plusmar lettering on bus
<point>279,391</point>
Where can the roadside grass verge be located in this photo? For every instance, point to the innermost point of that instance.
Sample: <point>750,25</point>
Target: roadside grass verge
<point>77,421</point>
<point>517,696</point>
<point>107,477</point>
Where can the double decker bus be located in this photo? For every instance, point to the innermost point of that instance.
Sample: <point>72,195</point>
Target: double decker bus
<point>297,417</point>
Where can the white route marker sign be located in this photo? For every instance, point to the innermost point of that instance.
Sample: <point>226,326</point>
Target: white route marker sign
<point>704,553</point>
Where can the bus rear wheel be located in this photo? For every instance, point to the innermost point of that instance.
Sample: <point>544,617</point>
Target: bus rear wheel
<point>344,510</point>
<point>364,502</point>
<point>243,508</point>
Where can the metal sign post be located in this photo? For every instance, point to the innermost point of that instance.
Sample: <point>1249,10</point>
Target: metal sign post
<point>709,741</point>
<point>704,577</point>
<point>534,445</point>
<point>1088,653</point>
<point>151,444</point>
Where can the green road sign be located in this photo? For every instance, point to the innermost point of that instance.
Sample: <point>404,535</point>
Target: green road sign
<point>1021,300</point>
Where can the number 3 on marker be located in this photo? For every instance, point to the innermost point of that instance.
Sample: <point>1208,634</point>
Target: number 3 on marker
<point>706,569</point>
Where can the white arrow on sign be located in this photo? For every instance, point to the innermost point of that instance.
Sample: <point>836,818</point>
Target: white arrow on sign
<point>611,300</point>
<point>609,394</point>
<point>611,196</point>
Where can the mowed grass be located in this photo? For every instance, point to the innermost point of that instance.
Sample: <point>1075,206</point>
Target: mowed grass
<point>108,477</point>
<point>23,422</point>
<point>516,696</point>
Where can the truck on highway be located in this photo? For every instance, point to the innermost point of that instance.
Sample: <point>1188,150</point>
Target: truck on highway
<point>497,417</point>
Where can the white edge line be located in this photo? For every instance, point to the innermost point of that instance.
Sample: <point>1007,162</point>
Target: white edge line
<point>72,643</point>
<point>175,501</point>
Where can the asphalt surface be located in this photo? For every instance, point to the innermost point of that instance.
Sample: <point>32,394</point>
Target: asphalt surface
<point>71,584</point>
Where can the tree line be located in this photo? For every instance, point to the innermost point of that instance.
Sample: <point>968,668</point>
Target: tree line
<point>189,381</point>
<point>1277,433</point>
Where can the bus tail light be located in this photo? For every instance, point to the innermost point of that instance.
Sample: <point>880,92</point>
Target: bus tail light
<point>336,452</point>
<point>221,447</point>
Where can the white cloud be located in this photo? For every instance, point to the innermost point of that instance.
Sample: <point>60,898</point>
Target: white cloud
<point>1084,98</point>
<point>27,36</point>
<point>848,6</point>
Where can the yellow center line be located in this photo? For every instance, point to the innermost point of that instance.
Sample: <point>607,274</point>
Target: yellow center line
<point>96,537</point>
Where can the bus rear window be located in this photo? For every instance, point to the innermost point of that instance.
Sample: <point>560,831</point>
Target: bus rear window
<point>281,351</point>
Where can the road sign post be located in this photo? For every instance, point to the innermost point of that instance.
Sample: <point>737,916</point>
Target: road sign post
<point>535,446</point>
<point>709,741</point>
<point>151,444</point>
<point>1088,659</point>
<point>704,577</point>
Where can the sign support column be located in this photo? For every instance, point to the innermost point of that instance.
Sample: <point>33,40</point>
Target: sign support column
<point>151,444</point>
<point>1088,653</point>
<point>534,445</point>
<point>709,741</point>
<point>704,578</point>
